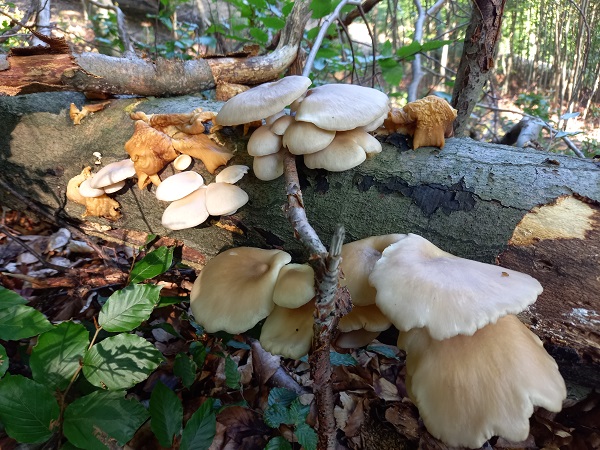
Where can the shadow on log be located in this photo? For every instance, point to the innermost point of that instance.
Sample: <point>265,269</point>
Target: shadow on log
<point>470,199</point>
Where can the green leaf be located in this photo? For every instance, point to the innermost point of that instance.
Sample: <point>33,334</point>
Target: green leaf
<point>120,362</point>
<point>28,409</point>
<point>166,412</point>
<point>274,23</point>
<point>393,76</point>
<point>298,412</point>
<point>57,355</point>
<point>198,352</point>
<point>18,321</point>
<point>232,376</point>
<point>342,359</point>
<point>185,368</point>
<point>408,50</point>
<point>321,8</point>
<point>276,414</point>
<point>570,115</point>
<point>3,361</point>
<point>154,263</point>
<point>103,417</point>
<point>287,8</point>
<point>434,45</point>
<point>386,51</point>
<point>259,35</point>
<point>127,308</point>
<point>278,443</point>
<point>281,396</point>
<point>258,4</point>
<point>312,33</point>
<point>200,430</point>
<point>307,437</point>
<point>325,52</point>
<point>237,344</point>
<point>168,301</point>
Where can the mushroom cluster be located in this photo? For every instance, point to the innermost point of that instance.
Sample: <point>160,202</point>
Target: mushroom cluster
<point>187,192</point>
<point>329,125</point>
<point>473,369</point>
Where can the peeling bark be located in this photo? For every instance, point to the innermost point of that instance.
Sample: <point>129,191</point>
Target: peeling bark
<point>467,199</point>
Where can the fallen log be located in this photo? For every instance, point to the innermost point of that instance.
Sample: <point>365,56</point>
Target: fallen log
<point>533,211</point>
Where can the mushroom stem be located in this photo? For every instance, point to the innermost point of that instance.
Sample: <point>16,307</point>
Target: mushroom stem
<point>331,303</point>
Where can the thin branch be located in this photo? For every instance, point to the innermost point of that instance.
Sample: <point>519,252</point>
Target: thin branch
<point>319,39</point>
<point>18,24</point>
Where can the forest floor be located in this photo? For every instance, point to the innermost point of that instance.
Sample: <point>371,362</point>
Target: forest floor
<point>372,408</point>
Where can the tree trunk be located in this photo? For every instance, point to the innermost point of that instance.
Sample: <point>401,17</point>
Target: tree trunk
<point>469,199</point>
<point>479,54</point>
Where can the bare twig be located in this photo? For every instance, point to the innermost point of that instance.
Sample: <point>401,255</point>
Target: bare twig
<point>319,39</point>
<point>17,24</point>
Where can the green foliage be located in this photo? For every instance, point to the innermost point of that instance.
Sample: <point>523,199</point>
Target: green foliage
<point>284,407</point>
<point>128,308</point>
<point>200,430</point>
<point>232,376</point>
<point>153,264</point>
<point>166,412</point>
<point>535,105</point>
<point>185,368</point>
<point>18,321</point>
<point>3,361</point>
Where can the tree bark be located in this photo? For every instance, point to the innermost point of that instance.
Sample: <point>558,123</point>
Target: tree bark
<point>92,72</point>
<point>478,58</point>
<point>469,199</point>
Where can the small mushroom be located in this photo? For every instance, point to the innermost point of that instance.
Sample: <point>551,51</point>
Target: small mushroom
<point>302,138</point>
<point>295,286</point>
<point>343,153</point>
<point>269,167</point>
<point>419,285</point>
<point>223,199</point>
<point>281,124</point>
<point>178,186</point>
<point>360,326</point>
<point>263,142</point>
<point>470,388</point>
<point>182,162</point>
<point>288,332</point>
<point>113,173</point>
<point>234,291</point>
<point>115,187</point>
<point>232,174</point>
<point>102,206</point>
<point>188,212</point>
<point>87,191</point>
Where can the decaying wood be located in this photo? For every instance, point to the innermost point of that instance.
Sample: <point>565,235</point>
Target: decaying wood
<point>92,72</point>
<point>468,199</point>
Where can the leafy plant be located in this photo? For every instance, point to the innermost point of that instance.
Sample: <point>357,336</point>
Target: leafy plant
<point>534,104</point>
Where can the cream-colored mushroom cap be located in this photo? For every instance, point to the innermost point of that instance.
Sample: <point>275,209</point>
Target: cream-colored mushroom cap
<point>232,174</point>
<point>368,317</point>
<point>420,285</point>
<point>187,212</point>
<point>355,338</point>
<point>113,173</point>
<point>269,167</point>
<point>470,388</point>
<point>234,291</point>
<point>281,124</point>
<point>262,101</point>
<point>302,138</point>
<point>295,286</point>
<point>288,332</point>
<point>358,259</point>
<point>116,187</point>
<point>178,186</point>
<point>182,162</point>
<point>368,143</point>
<point>342,107</point>
<point>263,142</point>
<point>223,199</point>
<point>343,153</point>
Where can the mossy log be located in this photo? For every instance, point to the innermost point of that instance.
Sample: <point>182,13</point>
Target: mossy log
<point>533,211</point>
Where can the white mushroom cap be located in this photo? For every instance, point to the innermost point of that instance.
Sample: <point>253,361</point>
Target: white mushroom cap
<point>116,187</point>
<point>288,332</point>
<point>281,125</point>
<point>342,154</point>
<point>188,212</point>
<point>368,143</point>
<point>234,291</point>
<point>263,142</point>
<point>182,162</point>
<point>223,199</point>
<point>358,259</point>
<point>274,117</point>
<point>376,123</point>
<point>113,173</point>
<point>420,285</point>
<point>178,186</point>
<point>470,388</point>
<point>232,174</point>
<point>342,107</point>
<point>302,138</point>
<point>262,101</point>
<point>89,192</point>
<point>295,286</point>
<point>267,168</point>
